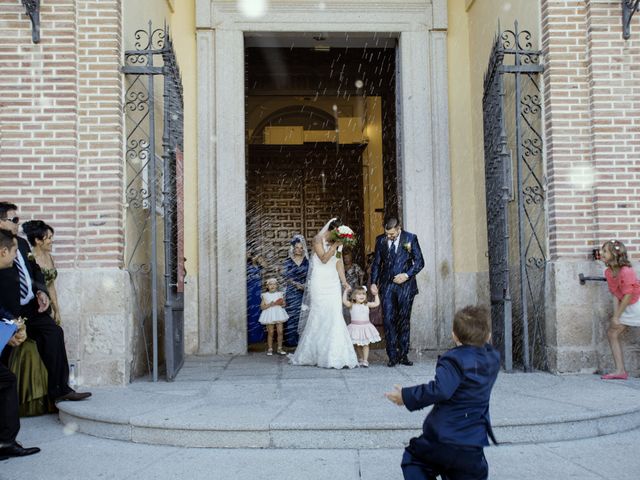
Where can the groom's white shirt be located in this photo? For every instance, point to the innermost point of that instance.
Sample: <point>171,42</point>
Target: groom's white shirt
<point>396,242</point>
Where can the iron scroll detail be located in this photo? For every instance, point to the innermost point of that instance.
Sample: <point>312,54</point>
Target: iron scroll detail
<point>515,187</point>
<point>33,10</point>
<point>629,8</point>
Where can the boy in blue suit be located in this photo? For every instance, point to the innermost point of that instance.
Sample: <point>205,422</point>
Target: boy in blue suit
<point>455,432</point>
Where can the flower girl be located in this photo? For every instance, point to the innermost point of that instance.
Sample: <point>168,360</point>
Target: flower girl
<point>361,329</point>
<point>272,314</point>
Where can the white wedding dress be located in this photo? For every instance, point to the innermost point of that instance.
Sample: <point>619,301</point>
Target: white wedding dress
<point>325,341</point>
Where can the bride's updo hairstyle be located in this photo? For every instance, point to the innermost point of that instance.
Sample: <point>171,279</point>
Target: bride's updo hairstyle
<point>335,224</point>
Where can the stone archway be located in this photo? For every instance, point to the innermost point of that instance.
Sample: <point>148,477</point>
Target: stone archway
<point>423,153</point>
<point>304,116</point>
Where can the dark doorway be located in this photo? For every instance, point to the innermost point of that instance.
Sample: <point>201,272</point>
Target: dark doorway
<point>321,139</point>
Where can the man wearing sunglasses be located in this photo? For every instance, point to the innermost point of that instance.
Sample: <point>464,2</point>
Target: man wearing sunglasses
<point>34,306</point>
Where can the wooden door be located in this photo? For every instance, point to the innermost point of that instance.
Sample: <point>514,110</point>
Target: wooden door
<point>296,189</point>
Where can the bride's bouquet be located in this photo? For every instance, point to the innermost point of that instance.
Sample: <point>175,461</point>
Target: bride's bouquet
<point>345,235</point>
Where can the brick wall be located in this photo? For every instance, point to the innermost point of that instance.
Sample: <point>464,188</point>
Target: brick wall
<point>592,117</point>
<point>61,125</point>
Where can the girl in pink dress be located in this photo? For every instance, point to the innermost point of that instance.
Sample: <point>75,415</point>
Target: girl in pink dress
<point>361,330</point>
<point>624,286</point>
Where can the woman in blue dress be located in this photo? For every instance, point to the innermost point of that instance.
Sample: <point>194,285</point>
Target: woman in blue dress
<point>294,272</point>
<point>255,330</point>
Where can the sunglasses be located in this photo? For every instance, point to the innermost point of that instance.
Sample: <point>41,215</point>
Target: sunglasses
<point>15,220</point>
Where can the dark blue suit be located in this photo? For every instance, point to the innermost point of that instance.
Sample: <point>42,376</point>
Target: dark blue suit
<point>397,300</point>
<point>455,431</point>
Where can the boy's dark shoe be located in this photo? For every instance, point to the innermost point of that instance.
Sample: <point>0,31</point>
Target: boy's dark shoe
<point>391,363</point>
<point>405,361</point>
<point>17,450</point>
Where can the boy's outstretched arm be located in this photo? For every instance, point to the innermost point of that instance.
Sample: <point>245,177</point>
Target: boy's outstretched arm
<point>395,396</point>
<point>442,387</point>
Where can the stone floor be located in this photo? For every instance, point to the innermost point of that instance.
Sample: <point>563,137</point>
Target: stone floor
<point>255,401</point>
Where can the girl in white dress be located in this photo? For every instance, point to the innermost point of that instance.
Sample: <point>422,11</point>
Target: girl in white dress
<point>361,329</point>
<point>273,313</point>
<point>325,340</point>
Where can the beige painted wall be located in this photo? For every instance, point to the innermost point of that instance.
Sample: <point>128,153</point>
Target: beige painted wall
<point>181,20</point>
<point>183,30</point>
<point>180,17</point>
<point>473,25</point>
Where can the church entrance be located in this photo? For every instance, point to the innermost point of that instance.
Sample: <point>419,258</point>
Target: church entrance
<point>320,116</point>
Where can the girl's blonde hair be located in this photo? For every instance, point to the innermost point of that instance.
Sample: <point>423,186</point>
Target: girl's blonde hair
<point>619,252</point>
<point>356,291</point>
<point>271,280</point>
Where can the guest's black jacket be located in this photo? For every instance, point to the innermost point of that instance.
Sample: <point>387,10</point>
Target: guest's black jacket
<point>9,294</point>
<point>10,283</point>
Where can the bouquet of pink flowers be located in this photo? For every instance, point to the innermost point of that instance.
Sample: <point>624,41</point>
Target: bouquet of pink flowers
<point>345,235</point>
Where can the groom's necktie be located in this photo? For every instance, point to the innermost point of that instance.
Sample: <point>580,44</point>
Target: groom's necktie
<point>24,286</point>
<point>392,252</point>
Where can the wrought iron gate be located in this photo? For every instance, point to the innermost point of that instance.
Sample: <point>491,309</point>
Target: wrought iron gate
<point>155,190</point>
<point>516,221</point>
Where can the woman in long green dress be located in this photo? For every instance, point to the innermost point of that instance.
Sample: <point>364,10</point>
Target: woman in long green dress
<point>25,361</point>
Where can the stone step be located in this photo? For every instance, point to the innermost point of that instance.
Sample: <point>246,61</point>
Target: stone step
<point>252,402</point>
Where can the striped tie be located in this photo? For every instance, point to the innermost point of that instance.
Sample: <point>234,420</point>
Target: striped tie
<point>24,286</point>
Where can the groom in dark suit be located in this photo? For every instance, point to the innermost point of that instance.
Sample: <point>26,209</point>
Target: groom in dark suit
<point>398,259</point>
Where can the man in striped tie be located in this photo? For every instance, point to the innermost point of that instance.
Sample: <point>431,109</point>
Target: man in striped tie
<point>9,418</point>
<point>34,306</point>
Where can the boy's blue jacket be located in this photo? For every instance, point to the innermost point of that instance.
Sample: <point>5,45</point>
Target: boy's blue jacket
<point>460,395</point>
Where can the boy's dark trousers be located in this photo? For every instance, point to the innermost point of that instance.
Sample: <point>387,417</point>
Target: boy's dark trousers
<point>425,460</point>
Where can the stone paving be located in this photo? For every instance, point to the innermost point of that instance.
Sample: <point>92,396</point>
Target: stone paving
<point>255,401</point>
<point>266,396</point>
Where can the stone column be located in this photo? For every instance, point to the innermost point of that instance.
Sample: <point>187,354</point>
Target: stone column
<point>207,272</point>
<point>443,273</point>
<point>230,231</point>
<point>416,167</point>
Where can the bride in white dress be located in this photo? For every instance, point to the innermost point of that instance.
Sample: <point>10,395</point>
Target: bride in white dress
<point>325,340</point>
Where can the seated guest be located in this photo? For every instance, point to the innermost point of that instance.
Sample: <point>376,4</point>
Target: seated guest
<point>23,293</point>
<point>25,361</point>
<point>9,419</point>
<point>40,236</point>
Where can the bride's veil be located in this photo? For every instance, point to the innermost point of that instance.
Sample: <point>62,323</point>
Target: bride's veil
<point>306,296</point>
